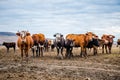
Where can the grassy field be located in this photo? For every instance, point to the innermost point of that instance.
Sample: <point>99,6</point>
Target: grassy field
<point>99,67</point>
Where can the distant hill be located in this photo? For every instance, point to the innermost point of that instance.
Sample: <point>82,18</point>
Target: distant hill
<point>7,34</point>
<point>7,37</point>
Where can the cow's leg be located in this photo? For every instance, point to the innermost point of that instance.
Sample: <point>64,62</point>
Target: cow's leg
<point>41,50</point>
<point>26,52</point>
<point>66,52</point>
<point>109,47</point>
<point>102,48</point>
<point>57,51</point>
<point>81,52</point>
<point>22,53</point>
<point>71,54</point>
<point>85,53</point>
<point>95,50</point>
<point>33,51</point>
<point>14,49</point>
<point>62,52</point>
<point>37,53</point>
<point>106,48</point>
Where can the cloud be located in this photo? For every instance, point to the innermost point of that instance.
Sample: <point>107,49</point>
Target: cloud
<point>65,16</point>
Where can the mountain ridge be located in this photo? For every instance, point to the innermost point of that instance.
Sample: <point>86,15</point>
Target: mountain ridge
<point>7,34</point>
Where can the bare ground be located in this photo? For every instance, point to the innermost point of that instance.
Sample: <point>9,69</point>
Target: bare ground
<point>99,67</point>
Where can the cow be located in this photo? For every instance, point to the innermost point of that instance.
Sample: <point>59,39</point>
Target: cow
<point>82,40</point>
<point>35,47</point>
<point>69,47</point>
<point>78,41</point>
<point>24,42</point>
<point>59,43</point>
<point>41,43</point>
<point>39,40</point>
<point>52,45</point>
<point>108,41</point>
<point>94,43</point>
<point>9,45</point>
<point>47,44</point>
<point>118,43</point>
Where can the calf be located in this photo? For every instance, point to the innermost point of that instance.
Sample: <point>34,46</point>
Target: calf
<point>9,45</point>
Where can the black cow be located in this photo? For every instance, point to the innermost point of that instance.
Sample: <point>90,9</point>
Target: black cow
<point>59,43</point>
<point>118,43</point>
<point>93,44</point>
<point>69,47</point>
<point>9,45</point>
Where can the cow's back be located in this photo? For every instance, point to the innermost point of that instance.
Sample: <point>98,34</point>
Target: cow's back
<point>41,37</point>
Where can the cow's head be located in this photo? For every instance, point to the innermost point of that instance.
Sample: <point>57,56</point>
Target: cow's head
<point>69,43</point>
<point>107,38</point>
<point>3,43</point>
<point>90,36</point>
<point>58,36</point>
<point>23,35</point>
<point>111,38</point>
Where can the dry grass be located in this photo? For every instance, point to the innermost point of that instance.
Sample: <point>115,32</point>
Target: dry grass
<point>99,67</point>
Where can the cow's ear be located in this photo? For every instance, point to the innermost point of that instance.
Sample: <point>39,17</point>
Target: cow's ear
<point>28,34</point>
<point>54,35</point>
<point>61,35</point>
<point>107,36</point>
<point>18,34</point>
<point>113,36</point>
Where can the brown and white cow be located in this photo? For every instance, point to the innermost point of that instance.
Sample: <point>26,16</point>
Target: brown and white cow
<point>47,44</point>
<point>108,41</point>
<point>35,47</point>
<point>24,42</point>
<point>39,40</point>
<point>81,40</point>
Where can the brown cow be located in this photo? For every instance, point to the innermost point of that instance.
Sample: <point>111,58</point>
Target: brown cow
<point>24,42</point>
<point>47,44</point>
<point>81,40</point>
<point>35,45</point>
<point>108,41</point>
<point>39,40</point>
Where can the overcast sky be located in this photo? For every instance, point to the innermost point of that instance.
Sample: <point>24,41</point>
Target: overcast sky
<point>63,16</point>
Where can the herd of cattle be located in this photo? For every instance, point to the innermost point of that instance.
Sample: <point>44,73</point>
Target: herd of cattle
<point>38,43</point>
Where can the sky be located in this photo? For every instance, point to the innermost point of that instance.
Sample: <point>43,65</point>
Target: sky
<point>61,16</point>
